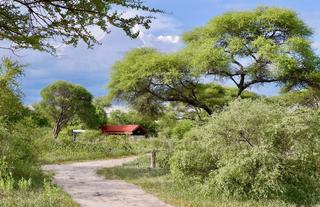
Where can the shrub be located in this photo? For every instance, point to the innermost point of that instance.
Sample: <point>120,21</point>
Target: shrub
<point>18,153</point>
<point>181,128</point>
<point>254,150</point>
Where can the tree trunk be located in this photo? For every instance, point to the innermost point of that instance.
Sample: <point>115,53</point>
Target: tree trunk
<point>241,85</point>
<point>240,90</point>
<point>56,130</point>
<point>208,110</point>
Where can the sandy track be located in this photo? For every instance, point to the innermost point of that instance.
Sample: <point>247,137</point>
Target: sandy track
<point>90,190</point>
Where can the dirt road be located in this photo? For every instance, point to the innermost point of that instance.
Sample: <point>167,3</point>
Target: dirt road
<point>91,190</point>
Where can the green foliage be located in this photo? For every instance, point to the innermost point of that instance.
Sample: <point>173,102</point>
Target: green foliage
<point>159,182</point>
<point>254,150</point>
<point>309,98</point>
<point>100,103</point>
<point>216,96</point>
<point>64,102</point>
<point>147,80</point>
<point>251,47</point>
<point>174,125</point>
<point>264,45</point>
<point>20,176</point>
<point>181,128</point>
<point>33,24</point>
<point>91,136</point>
<point>37,116</point>
<point>18,152</point>
<point>11,108</point>
<point>46,196</point>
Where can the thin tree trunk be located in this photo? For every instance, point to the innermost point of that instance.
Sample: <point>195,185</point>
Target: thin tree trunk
<point>56,130</point>
<point>241,86</point>
<point>240,90</point>
<point>59,124</point>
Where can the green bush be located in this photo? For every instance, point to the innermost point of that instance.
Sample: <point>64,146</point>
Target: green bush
<point>254,150</point>
<point>18,153</point>
<point>181,128</point>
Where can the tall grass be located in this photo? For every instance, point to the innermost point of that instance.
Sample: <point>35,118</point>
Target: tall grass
<point>84,148</point>
<point>27,196</point>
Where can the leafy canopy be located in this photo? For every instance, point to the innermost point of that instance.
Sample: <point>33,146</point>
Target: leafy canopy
<point>255,47</point>
<point>11,108</point>
<point>64,102</point>
<point>148,79</point>
<point>35,24</point>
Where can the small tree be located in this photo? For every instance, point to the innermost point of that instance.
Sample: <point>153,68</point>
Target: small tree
<point>63,102</point>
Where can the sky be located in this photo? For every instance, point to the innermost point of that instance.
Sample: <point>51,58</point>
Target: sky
<point>91,68</point>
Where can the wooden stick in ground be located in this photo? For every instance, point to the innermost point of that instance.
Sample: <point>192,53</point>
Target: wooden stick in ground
<point>153,159</point>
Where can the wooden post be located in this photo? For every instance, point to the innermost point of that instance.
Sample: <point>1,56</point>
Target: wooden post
<point>153,159</point>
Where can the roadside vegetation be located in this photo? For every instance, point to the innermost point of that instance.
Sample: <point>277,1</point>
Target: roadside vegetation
<point>46,196</point>
<point>159,182</point>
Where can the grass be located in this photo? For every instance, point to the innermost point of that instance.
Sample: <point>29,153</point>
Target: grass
<point>60,151</point>
<point>43,194</point>
<point>158,182</point>
<point>36,198</point>
<point>68,152</point>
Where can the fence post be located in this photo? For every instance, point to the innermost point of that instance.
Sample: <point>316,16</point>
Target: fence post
<point>153,159</point>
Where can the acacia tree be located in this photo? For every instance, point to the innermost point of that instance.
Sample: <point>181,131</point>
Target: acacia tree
<point>255,47</point>
<point>148,79</point>
<point>63,102</point>
<point>34,24</point>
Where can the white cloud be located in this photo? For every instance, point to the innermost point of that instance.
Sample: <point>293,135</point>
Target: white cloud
<point>98,33</point>
<point>115,107</point>
<point>163,35</point>
<point>169,39</point>
<point>316,45</point>
<point>164,43</point>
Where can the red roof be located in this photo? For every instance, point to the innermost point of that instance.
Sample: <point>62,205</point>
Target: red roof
<point>121,129</point>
